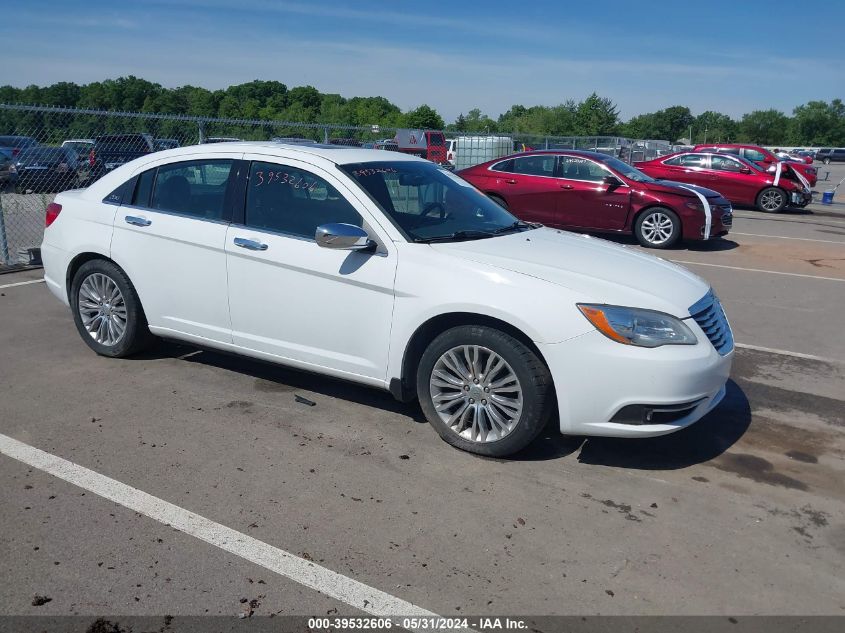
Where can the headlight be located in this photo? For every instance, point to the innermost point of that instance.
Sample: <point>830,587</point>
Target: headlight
<point>634,326</point>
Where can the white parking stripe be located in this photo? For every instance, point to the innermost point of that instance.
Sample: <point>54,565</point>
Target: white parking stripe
<point>783,352</point>
<point>23,283</point>
<point>802,219</point>
<point>307,573</point>
<point>781,237</point>
<point>757,270</point>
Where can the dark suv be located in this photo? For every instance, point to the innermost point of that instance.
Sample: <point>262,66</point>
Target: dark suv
<point>112,150</point>
<point>828,155</point>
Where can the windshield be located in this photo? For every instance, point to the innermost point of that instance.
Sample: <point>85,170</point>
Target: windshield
<point>427,203</point>
<point>629,172</point>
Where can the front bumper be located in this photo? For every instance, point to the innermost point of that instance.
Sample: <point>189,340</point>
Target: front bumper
<point>800,198</point>
<point>597,380</point>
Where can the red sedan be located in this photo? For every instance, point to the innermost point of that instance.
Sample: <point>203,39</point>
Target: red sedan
<point>759,155</point>
<point>590,191</point>
<point>739,180</point>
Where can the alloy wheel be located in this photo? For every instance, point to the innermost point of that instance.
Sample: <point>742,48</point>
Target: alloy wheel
<point>657,228</point>
<point>771,200</point>
<point>102,308</point>
<point>476,393</point>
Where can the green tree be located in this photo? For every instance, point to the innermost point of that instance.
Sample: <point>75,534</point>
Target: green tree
<point>597,116</point>
<point>715,127</point>
<point>424,117</point>
<point>764,127</point>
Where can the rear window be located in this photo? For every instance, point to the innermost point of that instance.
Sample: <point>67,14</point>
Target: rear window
<point>133,143</point>
<point>436,139</point>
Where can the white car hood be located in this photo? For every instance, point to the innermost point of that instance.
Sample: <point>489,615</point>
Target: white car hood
<point>597,270</point>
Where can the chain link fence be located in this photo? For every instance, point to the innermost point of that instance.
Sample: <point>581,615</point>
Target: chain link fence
<point>45,150</point>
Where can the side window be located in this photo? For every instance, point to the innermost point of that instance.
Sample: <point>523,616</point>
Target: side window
<point>576,168</point>
<point>293,201</point>
<point>674,161</point>
<point>724,163</point>
<point>143,188</point>
<point>725,150</point>
<point>505,165</point>
<point>195,189</point>
<point>539,165</point>
<point>754,155</point>
<point>692,160</point>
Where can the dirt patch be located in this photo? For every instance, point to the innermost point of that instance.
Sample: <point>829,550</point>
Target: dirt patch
<point>757,469</point>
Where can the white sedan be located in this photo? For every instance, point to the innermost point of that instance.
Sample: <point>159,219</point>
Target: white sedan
<point>391,272</point>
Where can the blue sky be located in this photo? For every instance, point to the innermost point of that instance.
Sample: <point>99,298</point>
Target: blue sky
<point>730,56</point>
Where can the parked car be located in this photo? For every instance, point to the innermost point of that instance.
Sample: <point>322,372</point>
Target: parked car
<point>16,144</point>
<point>451,149</point>
<point>591,191</point>
<point>221,139</point>
<point>113,150</point>
<point>47,169</point>
<point>737,179</point>
<point>82,147</point>
<point>8,171</point>
<point>390,271</point>
<point>793,158</point>
<point>830,155</point>
<point>347,142</point>
<point>386,144</point>
<point>759,155</point>
<point>161,144</point>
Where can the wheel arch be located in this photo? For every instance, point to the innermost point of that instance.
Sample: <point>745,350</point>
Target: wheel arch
<point>404,387</point>
<point>656,205</point>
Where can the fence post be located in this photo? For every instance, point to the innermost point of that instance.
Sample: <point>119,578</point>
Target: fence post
<point>4,245</point>
<point>201,130</point>
<point>326,135</point>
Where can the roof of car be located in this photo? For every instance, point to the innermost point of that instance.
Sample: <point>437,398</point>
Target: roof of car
<point>573,152</point>
<point>339,154</point>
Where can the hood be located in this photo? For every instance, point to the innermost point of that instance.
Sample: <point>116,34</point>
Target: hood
<point>597,270</point>
<point>680,188</point>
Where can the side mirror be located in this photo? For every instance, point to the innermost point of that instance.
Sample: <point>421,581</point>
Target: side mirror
<point>612,181</point>
<point>345,237</point>
<point>745,170</point>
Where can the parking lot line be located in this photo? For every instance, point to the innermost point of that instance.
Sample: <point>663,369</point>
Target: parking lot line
<point>757,270</point>
<point>784,352</point>
<point>23,283</point>
<point>307,573</point>
<point>802,219</point>
<point>782,237</point>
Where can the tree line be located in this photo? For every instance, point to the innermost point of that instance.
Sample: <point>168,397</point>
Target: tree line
<point>815,123</point>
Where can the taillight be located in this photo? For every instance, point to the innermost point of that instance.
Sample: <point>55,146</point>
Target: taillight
<point>92,158</point>
<point>53,211</point>
<point>16,151</point>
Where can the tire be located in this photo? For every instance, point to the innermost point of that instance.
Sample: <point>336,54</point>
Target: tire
<point>102,278</point>
<point>498,200</point>
<point>657,227</point>
<point>772,200</point>
<point>514,370</point>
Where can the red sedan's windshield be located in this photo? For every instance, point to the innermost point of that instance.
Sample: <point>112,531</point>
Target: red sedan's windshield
<point>629,172</point>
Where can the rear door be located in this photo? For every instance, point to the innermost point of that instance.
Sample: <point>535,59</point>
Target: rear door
<point>529,186</point>
<point>585,200</point>
<point>692,168</point>
<point>170,238</point>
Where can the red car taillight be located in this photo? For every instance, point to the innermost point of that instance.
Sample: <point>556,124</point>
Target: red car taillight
<point>92,158</point>
<point>53,211</point>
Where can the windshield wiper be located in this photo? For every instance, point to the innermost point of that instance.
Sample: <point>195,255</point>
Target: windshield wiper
<point>519,224</point>
<point>454,237</point>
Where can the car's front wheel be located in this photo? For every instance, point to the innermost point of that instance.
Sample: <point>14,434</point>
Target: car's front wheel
<point>483,390</point>
<point>772,200</point>
<point>657,228</point>
<point>107,311</point>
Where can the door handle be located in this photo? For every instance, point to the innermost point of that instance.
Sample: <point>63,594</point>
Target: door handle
<point>137,220</point>
<point>566,187</point>
<point>252,245</point>
<point>510,181</point>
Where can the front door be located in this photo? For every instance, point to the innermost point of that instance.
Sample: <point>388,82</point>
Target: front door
<point>585,200</point>
<point>292,299</point>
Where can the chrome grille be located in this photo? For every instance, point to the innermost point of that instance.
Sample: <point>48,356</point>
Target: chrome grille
<point>710,316</point>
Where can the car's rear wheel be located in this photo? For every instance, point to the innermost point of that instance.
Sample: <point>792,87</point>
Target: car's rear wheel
<point>107,311</point>
<point>498,200</point>
<point>772,200</point>
<point>483,390</point>
<point>657,228</point>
